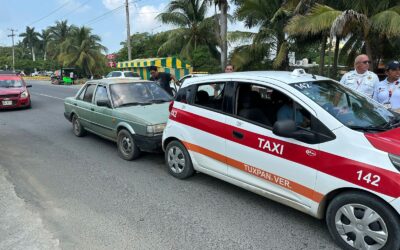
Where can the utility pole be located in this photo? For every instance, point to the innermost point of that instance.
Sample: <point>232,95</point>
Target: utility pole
<point>128,31</point>
<point>12,38</point>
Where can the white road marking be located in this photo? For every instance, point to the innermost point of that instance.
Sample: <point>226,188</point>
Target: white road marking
<point>54,97</point>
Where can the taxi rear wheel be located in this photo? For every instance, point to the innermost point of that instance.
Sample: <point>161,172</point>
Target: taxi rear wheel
<point>127,148</point>
<point>178,160</point>
<point>360,221</point>
<point>77,127</point>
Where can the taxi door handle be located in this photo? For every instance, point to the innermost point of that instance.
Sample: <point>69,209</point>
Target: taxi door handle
<point>75,104</point>
<point>237,134</point>
<point>92,109</point>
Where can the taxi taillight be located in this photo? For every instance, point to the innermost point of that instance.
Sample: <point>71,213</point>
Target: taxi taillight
<point>171,104</point>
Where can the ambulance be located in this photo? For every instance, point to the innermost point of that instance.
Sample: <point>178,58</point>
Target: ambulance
<point>302,140</point>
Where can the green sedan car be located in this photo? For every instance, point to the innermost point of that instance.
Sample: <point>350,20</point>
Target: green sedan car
<point>131,112</point>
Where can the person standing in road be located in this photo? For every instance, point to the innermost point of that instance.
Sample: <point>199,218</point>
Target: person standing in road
<point>163,78</point>
<point>361,79</point>
<point>71,75</point>
<point>387,91</point>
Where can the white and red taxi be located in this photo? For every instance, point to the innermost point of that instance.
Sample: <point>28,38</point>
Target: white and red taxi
<point>303,140</point>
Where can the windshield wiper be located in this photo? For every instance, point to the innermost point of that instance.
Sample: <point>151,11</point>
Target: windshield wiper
<point>134,104</point>
<point>368,128</point>
<point>393,123</point>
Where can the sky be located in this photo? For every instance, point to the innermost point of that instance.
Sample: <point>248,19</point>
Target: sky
<point>106,17</point>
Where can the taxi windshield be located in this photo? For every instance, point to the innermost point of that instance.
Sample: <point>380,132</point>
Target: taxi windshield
<point>136,93</point>
<point>10,83</point>
<point>350,108</point>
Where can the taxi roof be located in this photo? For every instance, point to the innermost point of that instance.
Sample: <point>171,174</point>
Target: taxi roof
<point>286,77</point>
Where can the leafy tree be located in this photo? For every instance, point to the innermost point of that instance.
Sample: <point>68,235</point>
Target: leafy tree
<point>83,49</point>
<point>30,40</point>
<point>194,28</point>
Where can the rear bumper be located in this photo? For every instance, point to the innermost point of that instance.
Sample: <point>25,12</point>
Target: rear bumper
<point>148,143</point>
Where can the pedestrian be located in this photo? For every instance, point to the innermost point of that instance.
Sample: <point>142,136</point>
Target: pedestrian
<point>71,75</point>
<point>163,78</point>
<point>387,91</point>
<point>229,68</point>
<point>361,79</point>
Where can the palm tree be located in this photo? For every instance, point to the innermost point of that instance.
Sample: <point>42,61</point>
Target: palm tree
<point>194,28</point>
<point>45,37</point>
<point>222,29</point>
<point>364,24</point>
<point>30,39</point>
<point>271,16</point>
<point>83,49</point>
<point>316,23</point>
<point>59,33</point>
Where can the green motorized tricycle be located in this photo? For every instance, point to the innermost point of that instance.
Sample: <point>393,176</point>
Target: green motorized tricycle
<point>64,76</point>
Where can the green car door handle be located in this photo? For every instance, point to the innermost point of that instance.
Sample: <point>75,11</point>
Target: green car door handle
<point>92,109</point>
<point>75,104</point>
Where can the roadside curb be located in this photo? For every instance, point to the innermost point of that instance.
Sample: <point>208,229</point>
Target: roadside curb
<point>20,228</point>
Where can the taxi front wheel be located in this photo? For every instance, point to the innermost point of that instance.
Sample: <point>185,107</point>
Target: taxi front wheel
<point>178,160</point>
<point>360,221</point>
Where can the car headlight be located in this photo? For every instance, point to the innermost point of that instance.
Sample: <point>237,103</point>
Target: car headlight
<point>24,94</point>
<point>156,129</point>
<point>395,160</point>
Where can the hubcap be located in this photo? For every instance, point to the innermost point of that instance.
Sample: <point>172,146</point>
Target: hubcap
<point>126,145</point>
<point>176,160</point>
<point>361,227</point>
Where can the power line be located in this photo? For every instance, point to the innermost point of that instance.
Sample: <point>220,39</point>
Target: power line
<point>69,13</point>
<point>102,16</point>
<point>51,13</point>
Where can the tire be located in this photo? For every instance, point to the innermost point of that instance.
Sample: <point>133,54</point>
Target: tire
<point>77,127</point>
<point>351,229</point>
<point>127,148</point>
<point>178,160</point>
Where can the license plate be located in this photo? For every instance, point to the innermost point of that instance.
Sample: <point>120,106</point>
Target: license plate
<point>7,103</point>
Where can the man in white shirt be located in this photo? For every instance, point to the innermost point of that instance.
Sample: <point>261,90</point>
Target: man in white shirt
<point>360,79</point>
<point>387,91</point>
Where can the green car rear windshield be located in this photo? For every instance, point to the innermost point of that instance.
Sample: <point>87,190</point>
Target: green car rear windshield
<point>137,93</point>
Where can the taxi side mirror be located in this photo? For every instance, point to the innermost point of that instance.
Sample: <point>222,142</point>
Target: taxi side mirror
<point>285,128</point>
<point>288,129</point>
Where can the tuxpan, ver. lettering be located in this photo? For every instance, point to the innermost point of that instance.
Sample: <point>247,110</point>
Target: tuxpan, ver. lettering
<point>266,145</point>
<point>267,176</point>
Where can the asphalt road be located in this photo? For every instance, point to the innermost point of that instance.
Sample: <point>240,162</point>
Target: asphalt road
<point>87,197</point>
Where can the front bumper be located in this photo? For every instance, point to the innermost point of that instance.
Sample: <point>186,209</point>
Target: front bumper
<point>148,143</point>
<point>67,116</point>
<point>15,103</point>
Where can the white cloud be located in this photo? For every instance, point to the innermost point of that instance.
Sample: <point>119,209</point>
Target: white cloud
<point>144,19</point>
<point>112,4</point>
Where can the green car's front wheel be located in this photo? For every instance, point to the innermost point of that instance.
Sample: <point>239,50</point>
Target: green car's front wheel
<point>127,148</point>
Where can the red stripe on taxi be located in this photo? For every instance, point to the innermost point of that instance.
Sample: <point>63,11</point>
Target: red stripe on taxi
<point>334,165</point>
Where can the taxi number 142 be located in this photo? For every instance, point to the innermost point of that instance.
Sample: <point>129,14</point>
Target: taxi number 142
<point>369,178</point>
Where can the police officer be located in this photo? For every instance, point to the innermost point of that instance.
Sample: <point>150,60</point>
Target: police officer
<point>387,91</point>
<point>360,79</point>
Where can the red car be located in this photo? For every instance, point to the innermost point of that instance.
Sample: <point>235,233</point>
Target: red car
<point>13,91</point>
